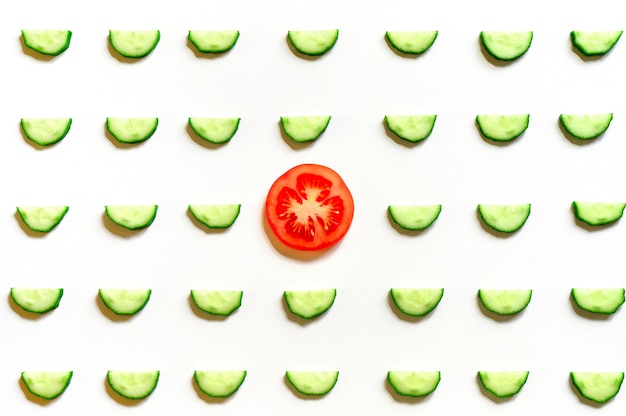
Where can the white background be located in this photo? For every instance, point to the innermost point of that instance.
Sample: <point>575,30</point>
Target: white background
<point>357,83</point>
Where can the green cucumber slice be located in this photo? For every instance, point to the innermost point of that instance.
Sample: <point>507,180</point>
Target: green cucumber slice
<point>134,385</point>
<point>217,302</point>
<point>413,128</point>
<point>595,43</point>
<point>308,304</point>
<point>216,215</point>
<point>134,43</point>
<point>45,131</point>
<point>37,300</point>
<point>305,128</point>
<point>505,302</point>
<point>603,301</point>
<point>412,43</point>
<point>313,42</point>
<point>503,383</point>
<point>506,46</point>
<point>214,130</point>
<point>219,383</point>
<point>414,217</point>
<point>132,130</point>
<point>502,128</point>
<point>597,387</point>
<point>586,126</point>
<point>47,384</point>
<point>132,217</point>
<point>598,213</point>
<point>47,42</point>
<point>42,219</point>
<point>124,301</point>
<point>213,41</point>
<point>504,218</point>
<point>416,302</point>
<point>313,383</point>
<point>414,383</point>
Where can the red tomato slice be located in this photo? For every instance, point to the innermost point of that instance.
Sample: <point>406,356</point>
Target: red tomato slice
<point>309,207</point>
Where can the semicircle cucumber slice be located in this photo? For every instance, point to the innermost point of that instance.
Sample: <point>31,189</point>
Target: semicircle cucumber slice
<point>313,383</point>
<point>504,218</point>
<point>302,129</point>
<point>134,385</point>
<point>416,302</point>
<point>47,42</point>
<point>414,217</point>
<point>214,130</point>
<point>595,43</point>
<point>36,300</point>
<point>213,41</point>
<point>313,42</point>
<point>132,130</point>
<point>586,126</point>
<point>42,219</point>
<point>47,384</point>
<point>597,387</point>
<point>125,301</point>
<point>219,383</point>
<point>308,304</point>
<point>503,383</point>
<point>603,301</point>
<point>412,43</point>
<point>506,301</point>
<point>506,46</point>
<point>45,131</point>
<point>216,215</point>
<point>217,302</point>
<point>412,128</point>
<point>598,213</point>
<point>502,128</point>
<point>414,383</point>
<point>134,43</point>
<point>132,217</point>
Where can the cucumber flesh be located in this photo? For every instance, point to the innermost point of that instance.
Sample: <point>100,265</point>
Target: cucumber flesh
<point>313,383</point>
<point>214,130</point>
<point>308,304</point>
<point>47,42</point>
<point>36,300</point>
<point>123,301</point>
<point>132,130</point>
<point>595,43</point>
<point>413,128</point>
<point>412,383</point>
<point>597,387</point>
<point>47,385</point>
<point>412,43</point>
<point>214,302</point>
<point>314,42</point>
<point>305,128</point>
<point>506,46</point>
<point>213,41</point>
<point>219,383</point>
<point>414,217</point>
<point>603,301</point>
<point>133,385</point>
<point>503,383</point>
<point>134,43</point>
<point>42,219</point>
<point>416,302</point>
<point>132,217</point>
<point>586,126</point>
<point>505,302</point>
<point>502,128</point>
<point>504,218</point>
<point>598,213</point>
<point>216,215</point>
<point>45,131</point>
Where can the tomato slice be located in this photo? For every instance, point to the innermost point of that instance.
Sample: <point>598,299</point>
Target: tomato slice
<point>309,207</point>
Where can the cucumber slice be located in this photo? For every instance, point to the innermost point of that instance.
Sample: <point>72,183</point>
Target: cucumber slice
<point>504,218</point>
<point>505,302</point>
<point>123,301</point>
<point>598,213</point>
<point>214,130</point>
<point>45,131</point>
<point>47,384</point>
<point>214,302</point>
<point>132,130</point>
<point>503,383</point>
<point>133,385</point>
<point>216,215</point>
<point>134,43</point>
<point>213,41</point>
<point>597,387</point>
<point>308,304</point>
<point>414,383</point>
<point>313,383</point>
<point>304,129</point>
<point>414,217</point>
<point>42,219</point>
<point>132,217</point>
<point>47,42</point>
<point>586,126</point>
<point>416,302</point>
<point>314,42</point>
<point>506,46</point>
<point>595,43</point>
<point>502,128</point>
<point>412,43</point>
<point>219,383</point>
<point>413,129</point>
<point>36,300</point>
<point>604,301</point>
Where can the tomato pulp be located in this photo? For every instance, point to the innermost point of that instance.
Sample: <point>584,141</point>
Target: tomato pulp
<point>309,207</point>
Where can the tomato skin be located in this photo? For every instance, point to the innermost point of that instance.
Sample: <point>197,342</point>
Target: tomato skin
<point>309,207</point>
